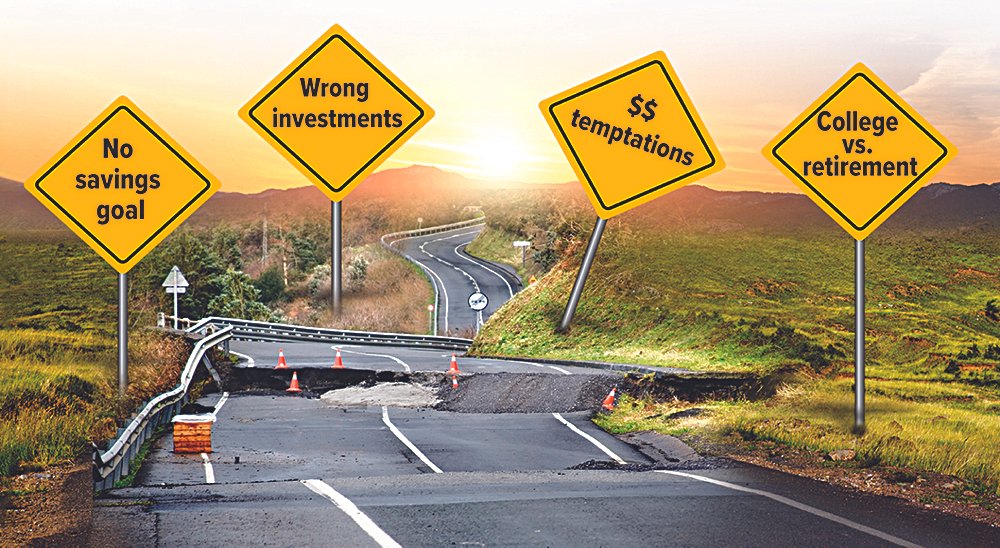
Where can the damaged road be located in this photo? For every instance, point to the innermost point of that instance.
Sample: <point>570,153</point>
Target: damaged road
<point>390,457</point>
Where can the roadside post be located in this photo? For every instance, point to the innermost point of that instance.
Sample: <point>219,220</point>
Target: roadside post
<point>631,135</point>
<point>175,283</point>
<point>524,245</point>
<point>122,185</point>
<point>478,302</point>
<point>336,113</point>
<point>859,152</point>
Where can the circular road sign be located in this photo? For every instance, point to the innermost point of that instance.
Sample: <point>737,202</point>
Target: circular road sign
<point>478,301</point>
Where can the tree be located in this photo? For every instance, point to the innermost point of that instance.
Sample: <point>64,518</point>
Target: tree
<point>271,285</point>
<point>238,298</point>
<point>357,272</point>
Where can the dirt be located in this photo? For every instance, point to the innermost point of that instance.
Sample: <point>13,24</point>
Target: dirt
<point>49,508</point>
<point>526,393</point>
<point>922,489</point>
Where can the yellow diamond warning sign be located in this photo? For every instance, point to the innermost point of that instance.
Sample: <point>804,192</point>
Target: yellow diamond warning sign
<point>122,185</point>
<point>632,135</point>
<point>859,151</point>
<point>336,113</point>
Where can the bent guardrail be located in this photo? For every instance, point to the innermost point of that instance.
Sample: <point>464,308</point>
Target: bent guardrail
<point>249,330</point>
<point>114,463</point>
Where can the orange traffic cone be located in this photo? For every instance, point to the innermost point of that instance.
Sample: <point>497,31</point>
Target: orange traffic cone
<point>282,364</point>
<point>338,362</point>
<point>453,370</point>
<point>609,401</point>
<point>454,382</point>
<point>294,387</point>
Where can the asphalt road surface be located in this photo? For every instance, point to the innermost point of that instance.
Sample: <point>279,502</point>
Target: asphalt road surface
<point>292,471</point>
<point>457,275</point>
<point>311,474</point>
<point>383,358</point>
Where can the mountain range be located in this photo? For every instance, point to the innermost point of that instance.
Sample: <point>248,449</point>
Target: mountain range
<point>935,205</point>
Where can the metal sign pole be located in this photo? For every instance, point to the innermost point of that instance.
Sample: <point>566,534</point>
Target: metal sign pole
<point>859,336</point>
<point>336,263</point>
<point>581,277</point>
<point>122,333</point>
<point>175,302</point>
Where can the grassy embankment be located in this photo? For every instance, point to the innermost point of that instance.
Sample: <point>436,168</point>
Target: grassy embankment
<point>57,372</point>
<point>754,301</point>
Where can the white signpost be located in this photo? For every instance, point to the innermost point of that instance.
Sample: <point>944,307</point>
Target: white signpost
<point>175,283</point>
<point>478,302</point>
<point>524,245</point>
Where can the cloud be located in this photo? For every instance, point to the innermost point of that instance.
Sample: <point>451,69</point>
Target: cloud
<point>958,95</point>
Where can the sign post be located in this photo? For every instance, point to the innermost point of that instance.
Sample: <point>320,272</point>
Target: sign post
<point>859,152</point>
<point>524,245</point>
<point>631,135</point>
<point>336,113</point>
<point>122,185</point>
<point>478,302</point>
<point>175,283</point>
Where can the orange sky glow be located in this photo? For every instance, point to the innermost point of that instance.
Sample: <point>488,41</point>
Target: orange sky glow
<point>750,68</point>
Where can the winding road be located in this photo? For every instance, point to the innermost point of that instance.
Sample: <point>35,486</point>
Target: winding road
<point>457,275</point>
<point>293,471</point>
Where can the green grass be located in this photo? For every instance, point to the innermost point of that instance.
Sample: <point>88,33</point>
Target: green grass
<point>497,245</point>
<point>753,301</point>
<point>946,428</point>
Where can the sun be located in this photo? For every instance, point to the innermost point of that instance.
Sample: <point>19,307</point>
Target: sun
<point>496,155</point>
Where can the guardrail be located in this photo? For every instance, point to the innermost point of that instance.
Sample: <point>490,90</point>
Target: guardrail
<point>249,330</point>
<point>114,463</point>
<point>421,232</point>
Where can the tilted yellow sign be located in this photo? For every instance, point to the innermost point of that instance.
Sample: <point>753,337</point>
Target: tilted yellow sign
<point>336,113</point>
<point>122,185</point>
<point>859,151</point>
<point>632,135</point>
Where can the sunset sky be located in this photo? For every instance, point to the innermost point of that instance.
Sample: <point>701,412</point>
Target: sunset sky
<point>750,68</point>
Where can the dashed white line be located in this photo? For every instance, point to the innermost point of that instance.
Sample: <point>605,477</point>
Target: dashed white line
<point>559,369</point>
<point>324,490</point>
<point>420,454</point>
<point>209,471</point>
<point>406,366</point>
<point>798,505</point>
<point>487,268</point>
<point>590,438</point>
<point>206,461</point>
<point>220,403</point>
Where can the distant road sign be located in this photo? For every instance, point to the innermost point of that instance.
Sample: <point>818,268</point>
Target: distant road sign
<point>478,301</point>
<point>430,308</point>
<point>632,135</point>
<point>336,113</point>
<point>175,281</point>
<point>122,184</point>
<point>521,243</point>
<point>859,151</point>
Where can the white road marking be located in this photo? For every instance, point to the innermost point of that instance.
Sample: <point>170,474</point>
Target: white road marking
<point>250,362</point>
<point>420,454</point>
<point>559,369</point>
<point>207,462</point>
<point>406,366</point>
<point>209,472</point>
<point>220,403</point>
<point>589,438</point>
<point>798,505</point>
<point>485,266</point>
<point>324,490</point>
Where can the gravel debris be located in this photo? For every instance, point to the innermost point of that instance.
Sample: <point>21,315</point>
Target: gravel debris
<point>393,394</point>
